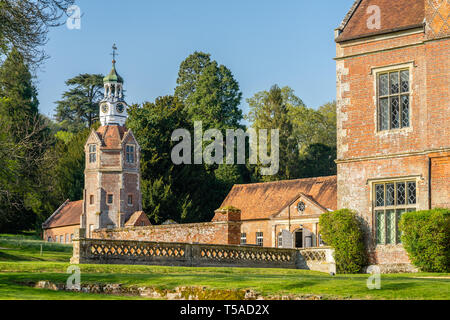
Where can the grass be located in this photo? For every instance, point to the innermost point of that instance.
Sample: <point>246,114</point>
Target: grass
<point>22,264</point>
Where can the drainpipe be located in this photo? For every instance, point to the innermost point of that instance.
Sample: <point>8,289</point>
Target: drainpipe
<point>429,183</point>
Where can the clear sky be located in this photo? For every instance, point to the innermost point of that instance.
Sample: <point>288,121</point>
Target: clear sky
<point>263,42</point>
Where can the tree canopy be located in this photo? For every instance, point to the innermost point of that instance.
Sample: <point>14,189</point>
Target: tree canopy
<point>79,106</point>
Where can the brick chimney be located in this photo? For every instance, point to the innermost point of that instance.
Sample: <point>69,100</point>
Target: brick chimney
<point>227,214</point>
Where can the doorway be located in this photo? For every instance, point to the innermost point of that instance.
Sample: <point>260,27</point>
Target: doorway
<point>299,238</point>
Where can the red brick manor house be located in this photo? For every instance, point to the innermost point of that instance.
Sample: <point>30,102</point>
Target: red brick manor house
<point>393,139</point>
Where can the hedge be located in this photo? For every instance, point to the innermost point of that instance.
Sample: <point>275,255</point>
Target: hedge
<point>426,238</point>
<point>342,230</point>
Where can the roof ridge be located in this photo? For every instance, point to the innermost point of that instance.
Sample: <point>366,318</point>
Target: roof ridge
<point>288,180</point>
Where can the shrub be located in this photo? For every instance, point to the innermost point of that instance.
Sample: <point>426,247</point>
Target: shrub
<point>426,238</point>
<point>342,230</point>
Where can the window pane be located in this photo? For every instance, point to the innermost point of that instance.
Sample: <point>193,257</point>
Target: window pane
<point>380,227</point>
<point>395,112</point>
<point>399,213</point>
<point>384,85</point>
<point>412,193</point>
<point>390,194</point>
<point>390,227</point>
<point>404,79</point>
<point>401,193</point>
<point>405,111</point>
<point>393,77</point>
<point>379,195</point>
<point>384,114</point>
<point>411,210</point>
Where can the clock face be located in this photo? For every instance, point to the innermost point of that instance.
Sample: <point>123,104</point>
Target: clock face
<point>104,108</point>
<point>120,107</point>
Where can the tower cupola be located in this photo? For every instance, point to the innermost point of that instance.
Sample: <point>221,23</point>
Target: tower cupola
<point>113,108</point>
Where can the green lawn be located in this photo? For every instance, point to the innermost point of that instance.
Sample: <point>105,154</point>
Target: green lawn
<point>22,264</point>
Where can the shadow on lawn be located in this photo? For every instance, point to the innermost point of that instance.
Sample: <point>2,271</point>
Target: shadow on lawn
<point>10,257</point>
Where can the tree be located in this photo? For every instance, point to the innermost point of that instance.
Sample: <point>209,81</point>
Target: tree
<point>317,160</point>
<point>307,144</point>
<point>67,170</point>
<point>209,92</point>
<point>170,191</point>
<point>24,138</point>
<point>272,110</point>
<point>79,106</point>
<point>24,25</point>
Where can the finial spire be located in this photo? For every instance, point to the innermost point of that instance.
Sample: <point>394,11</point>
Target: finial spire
<point>114,53</point>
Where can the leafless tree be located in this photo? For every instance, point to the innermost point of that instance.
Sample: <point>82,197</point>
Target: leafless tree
<point>24,24</point>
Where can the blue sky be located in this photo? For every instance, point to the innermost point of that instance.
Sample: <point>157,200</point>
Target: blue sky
<point>286,42</point>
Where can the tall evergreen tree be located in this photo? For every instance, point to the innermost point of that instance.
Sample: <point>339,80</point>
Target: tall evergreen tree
<point>184,193</point>
<point>79,105</point>
<point>209,92</point>
<point>27,137</point>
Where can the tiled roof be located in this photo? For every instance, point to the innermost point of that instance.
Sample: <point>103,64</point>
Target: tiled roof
<point>396,15</point>
<point>66,215</point>
<point>111,136</point>
<point>138,215</point>
<point>262,200</point>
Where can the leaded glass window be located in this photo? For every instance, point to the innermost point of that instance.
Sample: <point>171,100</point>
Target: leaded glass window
<point>391,200</point>
<point>92,153</point>
<point>393,100</point>
<point>130,153</point>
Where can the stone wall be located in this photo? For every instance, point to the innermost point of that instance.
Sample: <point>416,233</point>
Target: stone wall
<point>208,233</point>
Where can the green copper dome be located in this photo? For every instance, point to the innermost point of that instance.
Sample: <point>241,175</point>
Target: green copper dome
<point>113,76</point>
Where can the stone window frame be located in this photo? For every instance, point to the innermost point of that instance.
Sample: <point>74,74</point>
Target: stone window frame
<point>92,148</point>
<point>243,238</point>
<point>375,72</point>
<point>130,154</point>
<point>396,208</point>
<point>91,200</point>
<point>260,239</point>
<point>130,196</point>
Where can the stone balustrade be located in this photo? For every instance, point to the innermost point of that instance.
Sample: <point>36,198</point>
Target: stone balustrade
<point>101,251</point>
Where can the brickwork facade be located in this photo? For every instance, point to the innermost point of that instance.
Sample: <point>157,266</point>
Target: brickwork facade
<point>224,229</point>
<point>60,234</point>
<point>418,152</point>
<point>112,182</point>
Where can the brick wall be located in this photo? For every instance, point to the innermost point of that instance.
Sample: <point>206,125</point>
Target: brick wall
<point>364,153</point>
<point>65,232</point>
<point>207,233</point>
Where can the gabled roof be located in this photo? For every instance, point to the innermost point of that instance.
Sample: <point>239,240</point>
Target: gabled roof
<point>263,200</point>
<point>111,136</point>
<point>68,214</point>
<point>396,15</point>
<point>136,219</point>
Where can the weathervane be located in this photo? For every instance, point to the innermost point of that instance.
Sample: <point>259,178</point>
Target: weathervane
<point>114,53</point>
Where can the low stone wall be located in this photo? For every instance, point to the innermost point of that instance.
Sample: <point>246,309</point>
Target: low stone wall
<point>221,232</point>
<point>97,251</point>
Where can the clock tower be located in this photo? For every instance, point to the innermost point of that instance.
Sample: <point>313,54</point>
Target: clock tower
<point>113,109</point>
<point>112,176</point>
